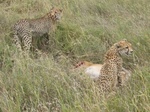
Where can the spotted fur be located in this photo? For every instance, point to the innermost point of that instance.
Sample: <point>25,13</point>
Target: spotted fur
<point>112,66</point>
<point>25,29</point>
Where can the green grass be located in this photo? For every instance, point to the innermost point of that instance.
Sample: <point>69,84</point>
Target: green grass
<point>85,32</point>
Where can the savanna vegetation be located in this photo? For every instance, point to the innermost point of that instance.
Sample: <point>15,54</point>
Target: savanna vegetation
<point>87,29</point>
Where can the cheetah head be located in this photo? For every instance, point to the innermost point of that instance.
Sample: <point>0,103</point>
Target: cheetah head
<point>124,47</point>
<point>56,13</point>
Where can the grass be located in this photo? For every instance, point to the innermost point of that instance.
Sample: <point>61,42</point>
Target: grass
<point>85,32</point>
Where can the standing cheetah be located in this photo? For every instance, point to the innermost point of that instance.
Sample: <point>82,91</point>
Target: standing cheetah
<point>112,66</point>
<point>25,29</point>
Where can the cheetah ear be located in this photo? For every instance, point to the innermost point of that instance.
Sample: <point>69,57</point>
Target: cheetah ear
<point>52,11</point>
<point>52,8</point>
<point>117,45</point>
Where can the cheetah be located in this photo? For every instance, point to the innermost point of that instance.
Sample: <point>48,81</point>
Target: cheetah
<point>112,66</point>
<point>93,71</point>
<point>26,29</point>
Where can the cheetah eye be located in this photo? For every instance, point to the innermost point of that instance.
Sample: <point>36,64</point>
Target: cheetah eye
<point>126,47</point>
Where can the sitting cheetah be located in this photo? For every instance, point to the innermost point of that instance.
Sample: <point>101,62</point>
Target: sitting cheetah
<point>93,71</point>
<point>25,29</point>
<point>112,66</point>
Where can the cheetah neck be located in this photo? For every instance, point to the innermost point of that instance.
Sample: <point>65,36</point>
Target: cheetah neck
<point>112,54</point>
<point>45,18</point>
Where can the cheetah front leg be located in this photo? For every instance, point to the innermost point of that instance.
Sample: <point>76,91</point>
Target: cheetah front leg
<point>27,41</point>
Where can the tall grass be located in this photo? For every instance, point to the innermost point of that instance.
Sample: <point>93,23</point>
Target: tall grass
<point>86,31</point>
